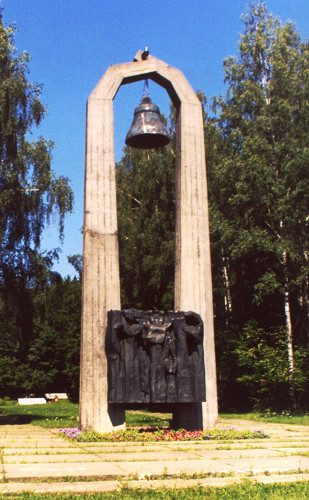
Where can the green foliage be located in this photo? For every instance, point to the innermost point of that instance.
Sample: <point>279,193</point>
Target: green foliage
<point>29,189</point>
<point>263,119</point>
<point>258,191</point>
<point>6,401</point>
<point>30,193</point>
<point>262,355</point>
<point>146,220</point>
<point>43,356</point>
<point>58,330</point>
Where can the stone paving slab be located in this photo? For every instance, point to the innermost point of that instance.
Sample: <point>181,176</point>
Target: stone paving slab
<point>34,454</point>
<point>173,467</point>
<point>26,457</point>
<point>60,458</point>
<point>158,467</point>
<point>54,470</point>
<point>104,486</point>
<point>93,457</point>
<point>277,464</point>
<point>120,469</point>
<point>293,450</point>
<point>134,452</point>
<point>35,444</point>
<point>21,429</point>
<point>223,454</point>
<point>56,450</point>
<point>184,446</point>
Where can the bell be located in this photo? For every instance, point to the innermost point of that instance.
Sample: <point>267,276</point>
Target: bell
<point>147,131</point>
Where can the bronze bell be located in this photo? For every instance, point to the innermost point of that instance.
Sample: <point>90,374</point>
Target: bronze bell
<point>147,131</point>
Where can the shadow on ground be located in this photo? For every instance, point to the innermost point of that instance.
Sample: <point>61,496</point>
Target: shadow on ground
<point>19,419</point>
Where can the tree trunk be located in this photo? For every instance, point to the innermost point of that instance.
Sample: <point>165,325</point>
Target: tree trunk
<point>306,294</point>
<point>227,294</point>
<point>289,331</point>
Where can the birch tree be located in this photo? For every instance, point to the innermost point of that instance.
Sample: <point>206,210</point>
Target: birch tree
<point>30,193</point>
<point>264,121</point>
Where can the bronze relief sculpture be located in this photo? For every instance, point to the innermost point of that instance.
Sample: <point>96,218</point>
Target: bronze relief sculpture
<point>155,357</point>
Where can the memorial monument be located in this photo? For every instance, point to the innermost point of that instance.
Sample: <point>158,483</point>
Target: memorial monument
<point>155,357</point>
<point>146,356</point>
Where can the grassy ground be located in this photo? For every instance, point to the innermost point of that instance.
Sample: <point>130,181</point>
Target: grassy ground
<point>273,417</point>
<point>60,414</point>
<point>65,414</point>
<point>145,419</point>
<point>246,491</point>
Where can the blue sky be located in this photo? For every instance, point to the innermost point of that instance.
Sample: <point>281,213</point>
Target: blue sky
<point>72,43</point>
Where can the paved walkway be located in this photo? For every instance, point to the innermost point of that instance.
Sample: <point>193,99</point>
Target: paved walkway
<point>36,459</point>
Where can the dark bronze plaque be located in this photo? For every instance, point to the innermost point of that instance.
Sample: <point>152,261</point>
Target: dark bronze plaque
<point>155,357</point>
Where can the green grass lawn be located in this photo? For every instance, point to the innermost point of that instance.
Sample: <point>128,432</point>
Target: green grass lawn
<point>65,414</point>
<point>245,491</point>
<point>147,419</point>
<point>59,414</point>
<point>273,417</point>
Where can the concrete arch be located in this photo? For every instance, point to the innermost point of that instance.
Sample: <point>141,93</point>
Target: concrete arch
<point>101,285</point>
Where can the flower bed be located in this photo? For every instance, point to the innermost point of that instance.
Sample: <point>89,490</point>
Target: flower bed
<point>154,434</point>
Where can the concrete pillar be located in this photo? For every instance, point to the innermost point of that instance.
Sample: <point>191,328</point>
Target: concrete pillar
<point>101,289</point>
<point>101,285</point>
<point>193,284</point>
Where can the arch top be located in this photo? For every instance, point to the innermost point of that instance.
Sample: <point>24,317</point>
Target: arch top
<point>173,80</point>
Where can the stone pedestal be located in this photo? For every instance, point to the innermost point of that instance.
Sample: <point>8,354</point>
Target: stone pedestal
<point>101,289</point>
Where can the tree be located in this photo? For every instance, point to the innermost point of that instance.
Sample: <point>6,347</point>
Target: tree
<point>146,220</point>
<point>262,208</point>
<point>53,357</point>
<point>29,193</point>
<point>29,189</point>
<point>262,354</point>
